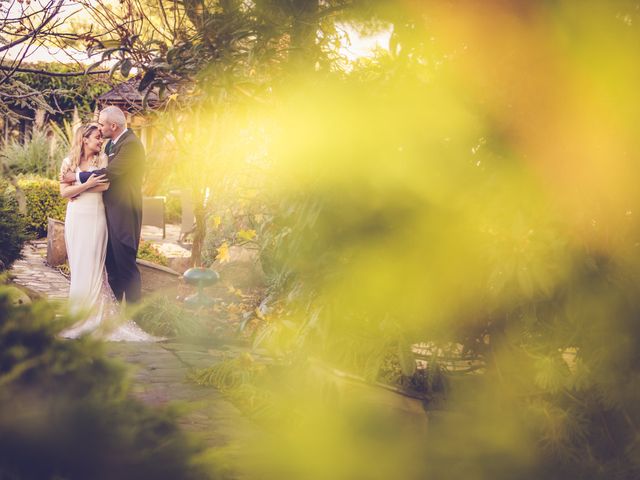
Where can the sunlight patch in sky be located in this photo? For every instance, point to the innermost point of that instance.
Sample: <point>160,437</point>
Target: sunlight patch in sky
<point>356,45</point>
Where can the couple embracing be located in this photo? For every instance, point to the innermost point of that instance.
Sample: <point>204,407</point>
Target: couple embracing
<point>103,223</point>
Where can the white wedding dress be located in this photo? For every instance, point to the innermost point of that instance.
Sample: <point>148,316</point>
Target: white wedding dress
<point>85,234</point>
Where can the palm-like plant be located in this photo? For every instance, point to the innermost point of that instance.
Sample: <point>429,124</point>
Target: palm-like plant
<point>63,134</point>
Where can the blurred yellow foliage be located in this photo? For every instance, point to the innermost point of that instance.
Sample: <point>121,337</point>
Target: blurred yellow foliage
<point>247,234</point>
<point>223,253</point>
<point>473,187</point>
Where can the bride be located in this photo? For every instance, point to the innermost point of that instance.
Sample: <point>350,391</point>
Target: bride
<point>85,235</point>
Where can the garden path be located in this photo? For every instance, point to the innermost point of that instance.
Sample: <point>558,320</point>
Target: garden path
<point>160,377</point>
<point>33,273</point>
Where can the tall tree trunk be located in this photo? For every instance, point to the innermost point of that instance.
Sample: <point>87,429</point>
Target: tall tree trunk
<point>200,230</point>
<point>197,14</point>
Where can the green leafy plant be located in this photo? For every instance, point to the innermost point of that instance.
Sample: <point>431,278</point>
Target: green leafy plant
<point>146,251</point>
<point>423,381</point>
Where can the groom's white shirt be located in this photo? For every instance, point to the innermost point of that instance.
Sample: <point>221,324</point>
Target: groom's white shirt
<point>113,142</point>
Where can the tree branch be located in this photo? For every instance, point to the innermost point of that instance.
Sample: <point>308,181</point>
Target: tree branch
<point>35,31</point>
<point>53,74</point>
<point>25,95</point>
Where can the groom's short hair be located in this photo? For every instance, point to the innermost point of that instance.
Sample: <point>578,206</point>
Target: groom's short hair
<point>115,115</point>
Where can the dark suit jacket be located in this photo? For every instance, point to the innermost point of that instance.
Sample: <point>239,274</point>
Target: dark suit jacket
<point>123,199</point>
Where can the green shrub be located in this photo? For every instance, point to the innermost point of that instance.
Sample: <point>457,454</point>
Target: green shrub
<point>43,201</point>
<point>146,251</point>
<point>66,410</point>
<point>12,233</point>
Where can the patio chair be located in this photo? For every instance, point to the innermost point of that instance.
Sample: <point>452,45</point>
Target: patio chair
<point>153,212</point>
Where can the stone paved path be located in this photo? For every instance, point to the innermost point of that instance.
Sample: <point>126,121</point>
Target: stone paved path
<point>33,273</point>
<point>160,378</point>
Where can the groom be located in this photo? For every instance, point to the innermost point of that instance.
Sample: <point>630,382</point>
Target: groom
<point>122,202</point>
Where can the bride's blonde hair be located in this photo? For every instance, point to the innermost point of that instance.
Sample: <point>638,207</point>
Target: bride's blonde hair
<point>77,147</point>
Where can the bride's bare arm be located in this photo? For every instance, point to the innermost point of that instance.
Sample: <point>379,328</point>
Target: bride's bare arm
<point>100,188</point>
<point>69,191</point>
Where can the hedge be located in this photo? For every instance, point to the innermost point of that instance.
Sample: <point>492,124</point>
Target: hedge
<point>12,232</point>
<point>43,201</point>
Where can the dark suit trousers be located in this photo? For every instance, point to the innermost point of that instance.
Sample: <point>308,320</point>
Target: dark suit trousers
<point>122,270</point>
